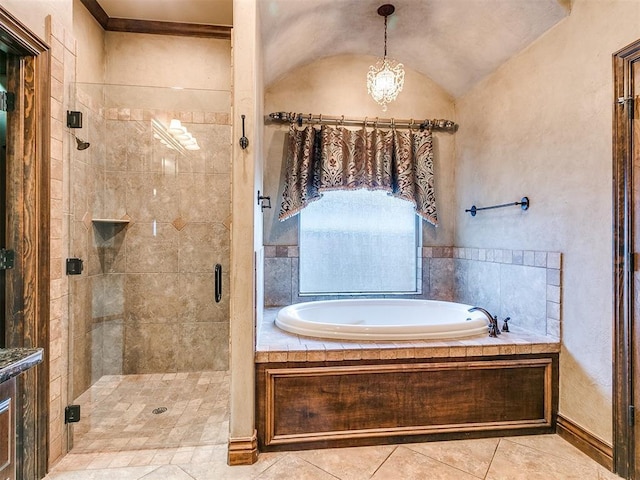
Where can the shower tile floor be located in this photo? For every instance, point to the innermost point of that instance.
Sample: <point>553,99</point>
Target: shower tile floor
<point>134,412</point>
<point>120,438</point>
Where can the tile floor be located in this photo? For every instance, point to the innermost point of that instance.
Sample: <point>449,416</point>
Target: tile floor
<point>122,440</point>
<point>118,412</point>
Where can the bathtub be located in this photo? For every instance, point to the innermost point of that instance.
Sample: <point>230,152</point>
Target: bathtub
<point>382,319</point>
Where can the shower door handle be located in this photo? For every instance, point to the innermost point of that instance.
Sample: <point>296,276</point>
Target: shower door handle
<point>218,282</point>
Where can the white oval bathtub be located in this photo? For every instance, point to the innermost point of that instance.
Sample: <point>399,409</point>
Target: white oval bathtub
<point>382,319</point>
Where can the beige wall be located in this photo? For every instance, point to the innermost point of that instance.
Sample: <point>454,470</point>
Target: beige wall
<point>246,232</point>
<point>33,13</point>
<point>541,126</point>
<point>337,86</point>
<point>167,61</point>
<point>89,36</point>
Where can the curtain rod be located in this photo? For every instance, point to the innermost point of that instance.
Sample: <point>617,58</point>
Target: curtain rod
<point>300,118</point>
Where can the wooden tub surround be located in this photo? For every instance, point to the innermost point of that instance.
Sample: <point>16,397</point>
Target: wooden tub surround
<point>313,393</point>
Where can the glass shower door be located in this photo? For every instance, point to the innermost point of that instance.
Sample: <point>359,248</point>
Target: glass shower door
<point>150,217</point>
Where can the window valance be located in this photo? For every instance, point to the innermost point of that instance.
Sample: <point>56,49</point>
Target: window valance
<point>399,162</point>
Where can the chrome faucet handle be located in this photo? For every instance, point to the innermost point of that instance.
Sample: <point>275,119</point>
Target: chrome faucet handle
<point>505,325</point>
<point>494,331</point>
<point>495,325</point>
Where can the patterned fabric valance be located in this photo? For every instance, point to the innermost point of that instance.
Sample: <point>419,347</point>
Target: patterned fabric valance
<point>333,158</point>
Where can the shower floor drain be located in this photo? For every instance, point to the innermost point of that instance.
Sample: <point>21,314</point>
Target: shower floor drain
<point>159,410</point>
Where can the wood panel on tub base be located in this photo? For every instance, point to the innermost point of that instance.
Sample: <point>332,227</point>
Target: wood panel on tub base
<point>331,404</point>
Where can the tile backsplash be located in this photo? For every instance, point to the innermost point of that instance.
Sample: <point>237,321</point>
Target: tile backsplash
<point>524,285</point>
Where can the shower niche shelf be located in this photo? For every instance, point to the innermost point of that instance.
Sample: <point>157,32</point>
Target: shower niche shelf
<point>107,230</point>
<point>110,220</point>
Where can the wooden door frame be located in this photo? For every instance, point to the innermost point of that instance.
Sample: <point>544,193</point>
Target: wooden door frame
<point>625,349</point>
<point>28,213</point>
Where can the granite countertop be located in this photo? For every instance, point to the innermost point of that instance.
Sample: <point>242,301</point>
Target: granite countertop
<point>14,361</point>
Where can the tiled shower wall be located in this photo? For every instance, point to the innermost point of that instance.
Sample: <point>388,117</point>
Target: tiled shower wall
<point>524,285</point>
<point>145,303</point>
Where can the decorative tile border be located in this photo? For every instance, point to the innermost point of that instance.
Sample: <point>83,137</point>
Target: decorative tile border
<point>139,114</point>
<point>281,251</point>
<point>530,258</point>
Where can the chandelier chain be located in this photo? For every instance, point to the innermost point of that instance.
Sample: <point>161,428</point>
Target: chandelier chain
<point>385,36</point>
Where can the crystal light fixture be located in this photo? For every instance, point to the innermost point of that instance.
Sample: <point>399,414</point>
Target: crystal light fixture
<point>385,79</point>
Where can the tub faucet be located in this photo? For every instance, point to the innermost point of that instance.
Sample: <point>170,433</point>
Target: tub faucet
<point>494,330</point>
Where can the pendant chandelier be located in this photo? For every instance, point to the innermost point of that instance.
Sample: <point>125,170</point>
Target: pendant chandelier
<point>385,79</point>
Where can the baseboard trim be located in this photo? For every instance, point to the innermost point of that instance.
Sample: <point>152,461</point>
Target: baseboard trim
<point>243,451</point>
<point>586,442</point>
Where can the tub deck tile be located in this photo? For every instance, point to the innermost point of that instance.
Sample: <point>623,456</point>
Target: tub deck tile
<point>409,352</point>
<point>316,354</point>
<point>458,351</point>
<point>297,355</point>
<point>275,357</point>
<point>489,350</point>
<point>262,357</point>
<point>474,351</point>
<point>275,345</point>
<point>542,348</point>
<point>353,354</point>
<point>388,354</point>
<point>507,349</point>
<point>370,354</point>
<point>335,355</point>
<point>523,348</point>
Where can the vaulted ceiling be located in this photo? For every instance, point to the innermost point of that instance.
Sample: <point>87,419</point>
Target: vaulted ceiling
<point>454,42</point>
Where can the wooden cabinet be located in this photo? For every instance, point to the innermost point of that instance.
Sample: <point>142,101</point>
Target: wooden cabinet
<point>7,430</point>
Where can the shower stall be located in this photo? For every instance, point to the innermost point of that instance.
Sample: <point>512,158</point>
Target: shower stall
<point>149,220</point>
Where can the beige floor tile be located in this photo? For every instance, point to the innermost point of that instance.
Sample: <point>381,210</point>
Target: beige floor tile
<point>75,461</point>
<point>293,467</point>
<point>551,444</point>
<point>122,459</point>
<point>517,462</point>
<point>604,474</point>
<point>128,473</point>
<point>168,472</point>
<point>142,457</point>
<point>216,467</point>
<point>358,463</point>
<point>100,461</point>
<point>120,439</point>
<point>471,456</point>
<point>407,464</point>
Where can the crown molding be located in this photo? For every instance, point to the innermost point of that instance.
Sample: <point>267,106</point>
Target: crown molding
<point>112,24</point>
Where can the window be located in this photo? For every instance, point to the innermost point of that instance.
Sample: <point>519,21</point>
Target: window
<point>359,241</point>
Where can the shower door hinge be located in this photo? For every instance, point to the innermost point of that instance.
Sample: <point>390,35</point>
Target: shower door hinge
<point>7,101</point>
<point>72,413</point>
<point>7,259</point>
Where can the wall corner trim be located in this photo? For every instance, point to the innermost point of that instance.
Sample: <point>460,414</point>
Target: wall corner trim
<point>243,451</point>
<point>586,442</point>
